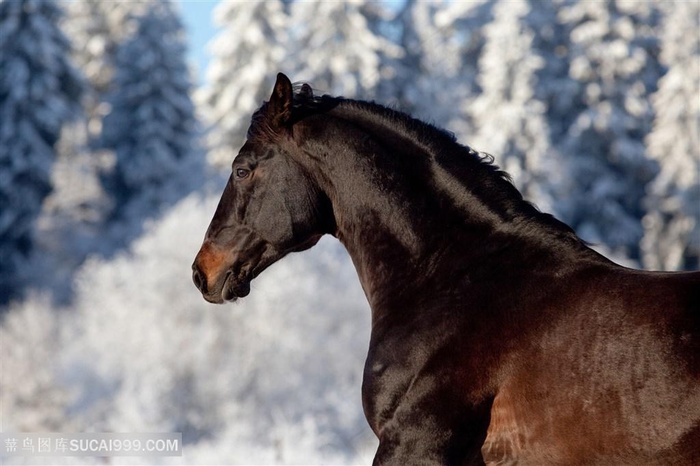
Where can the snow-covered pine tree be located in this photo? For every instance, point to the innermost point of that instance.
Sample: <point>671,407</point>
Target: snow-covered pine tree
<point>335,48</point>
<point>436,86</point>
<point>76,198</point>
<point>96,28</point>
<point>151,126</point>
<point>672,223</point>
<point>466,22</point>
<point>557,91</point>
<point>399,86</point>
<point>87,25</point>
<point>510,121</point>
<point>39,92</point>
<point>246,56</point>
<point>614,57</point>
<point>78,205</point>
<point>554,86</point>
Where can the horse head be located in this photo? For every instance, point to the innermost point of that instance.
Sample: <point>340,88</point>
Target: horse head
<point>271,205</point>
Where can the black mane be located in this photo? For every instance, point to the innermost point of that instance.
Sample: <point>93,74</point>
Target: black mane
<point>476,170</point>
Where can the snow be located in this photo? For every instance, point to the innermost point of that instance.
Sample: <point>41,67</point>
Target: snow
<point>277,374</point>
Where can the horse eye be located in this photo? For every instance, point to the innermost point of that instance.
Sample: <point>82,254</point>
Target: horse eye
<point>242,173</point>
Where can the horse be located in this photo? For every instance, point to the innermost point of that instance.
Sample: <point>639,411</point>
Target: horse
<point>497,335</point>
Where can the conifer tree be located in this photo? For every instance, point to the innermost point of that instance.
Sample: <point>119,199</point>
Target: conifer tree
<point>151,126</point>
<point>437,87</point>
<point>96,28</point>
<point>510,120</point>
<point>246,56</point>
<point>613,56</point>
<point>672,224</point>
<point>39,92</point>
<point>335,47</point>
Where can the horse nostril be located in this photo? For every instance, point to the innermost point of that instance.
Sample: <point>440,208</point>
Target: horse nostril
<point>198,279</point>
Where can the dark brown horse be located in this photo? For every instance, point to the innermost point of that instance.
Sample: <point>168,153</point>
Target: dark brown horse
<point>497,335</point>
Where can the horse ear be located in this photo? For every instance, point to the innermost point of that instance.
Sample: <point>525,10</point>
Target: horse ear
<point>280,105</point>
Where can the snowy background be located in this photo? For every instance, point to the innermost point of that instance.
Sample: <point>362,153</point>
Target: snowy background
<point>112,161</point>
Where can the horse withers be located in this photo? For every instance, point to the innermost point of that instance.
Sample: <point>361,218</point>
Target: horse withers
<point>498,336</point>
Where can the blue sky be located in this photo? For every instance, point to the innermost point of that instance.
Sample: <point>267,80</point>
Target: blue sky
<point>197,17</point>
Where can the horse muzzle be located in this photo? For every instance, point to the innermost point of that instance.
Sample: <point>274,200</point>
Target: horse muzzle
<point>218,275</point>
<point>224,274</point>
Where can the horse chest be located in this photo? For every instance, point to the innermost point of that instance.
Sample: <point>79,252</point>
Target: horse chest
<point>387,379</point>
<point>409,377</point>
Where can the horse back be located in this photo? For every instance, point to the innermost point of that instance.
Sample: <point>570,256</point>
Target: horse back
<point>613,379</point>
<point>665,305</point>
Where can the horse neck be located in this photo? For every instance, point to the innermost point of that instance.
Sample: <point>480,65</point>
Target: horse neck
<point>410,216</point>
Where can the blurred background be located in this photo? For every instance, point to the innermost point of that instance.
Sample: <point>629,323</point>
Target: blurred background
<point>118,124</point>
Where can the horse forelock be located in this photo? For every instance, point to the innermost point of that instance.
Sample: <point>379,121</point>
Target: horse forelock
<point>260,124</point>
<point>304,103</point>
